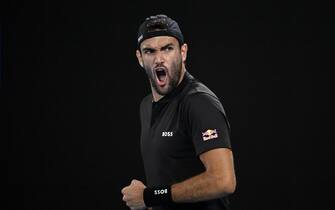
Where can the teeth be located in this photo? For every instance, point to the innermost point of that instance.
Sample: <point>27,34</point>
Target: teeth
<point>160,70</point>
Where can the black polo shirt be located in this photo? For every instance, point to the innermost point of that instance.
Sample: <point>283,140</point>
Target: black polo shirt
<point>176,130</point>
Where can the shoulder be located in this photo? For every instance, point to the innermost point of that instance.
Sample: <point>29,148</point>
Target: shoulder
<point>200,102</point>
<point>200,96</point>
<point>145,101</point>
<point>145,105</point>
<point>202,107</point>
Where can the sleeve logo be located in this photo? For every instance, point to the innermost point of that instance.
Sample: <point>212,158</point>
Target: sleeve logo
<point>209,134</point>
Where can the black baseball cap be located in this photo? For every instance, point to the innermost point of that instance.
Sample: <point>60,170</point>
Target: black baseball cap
<point>159,25</point>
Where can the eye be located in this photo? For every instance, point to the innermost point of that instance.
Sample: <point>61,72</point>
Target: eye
<point>148,51</point>
<point>169,48</point>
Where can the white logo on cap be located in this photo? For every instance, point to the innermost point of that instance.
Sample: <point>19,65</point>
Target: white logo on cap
<point>140,38</point>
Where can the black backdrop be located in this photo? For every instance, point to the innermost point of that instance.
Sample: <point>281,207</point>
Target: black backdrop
<point>73,87</point>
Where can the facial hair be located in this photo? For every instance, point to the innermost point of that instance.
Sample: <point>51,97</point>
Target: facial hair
<point>173,75</point>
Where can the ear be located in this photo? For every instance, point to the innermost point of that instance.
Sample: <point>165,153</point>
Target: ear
<point>183,51</point>
<point>139,57</point>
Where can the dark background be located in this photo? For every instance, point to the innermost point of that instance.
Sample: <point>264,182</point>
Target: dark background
<point>72,88</point>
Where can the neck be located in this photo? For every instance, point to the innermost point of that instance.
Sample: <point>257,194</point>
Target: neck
<point>156,96</point>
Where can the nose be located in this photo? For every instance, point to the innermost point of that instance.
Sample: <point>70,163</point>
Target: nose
<point>159,58</point>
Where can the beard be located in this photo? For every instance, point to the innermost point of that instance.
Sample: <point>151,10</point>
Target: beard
<point>173,77</point>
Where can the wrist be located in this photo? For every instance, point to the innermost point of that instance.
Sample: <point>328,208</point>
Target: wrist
<point>156,196</point>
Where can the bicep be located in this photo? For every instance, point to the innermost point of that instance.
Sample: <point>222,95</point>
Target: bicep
<point>219,162</point>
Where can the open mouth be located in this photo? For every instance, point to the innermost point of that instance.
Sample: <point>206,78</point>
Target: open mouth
<point>161,76</point>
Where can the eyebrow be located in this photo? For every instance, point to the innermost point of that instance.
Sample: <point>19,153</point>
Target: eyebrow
<point>162,48</point>
<point>166,46</point>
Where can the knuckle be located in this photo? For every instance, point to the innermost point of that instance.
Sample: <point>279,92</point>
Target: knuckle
<point>126,198</point>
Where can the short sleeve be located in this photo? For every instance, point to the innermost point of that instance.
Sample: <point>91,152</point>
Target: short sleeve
<point>207,123</point>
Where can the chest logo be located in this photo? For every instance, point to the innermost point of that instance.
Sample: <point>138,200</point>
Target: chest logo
<point>167,133</point>
<point>209,134</point>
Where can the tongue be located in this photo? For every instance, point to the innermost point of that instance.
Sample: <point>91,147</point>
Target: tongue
<point>161,77</point>
<point>161,80</point>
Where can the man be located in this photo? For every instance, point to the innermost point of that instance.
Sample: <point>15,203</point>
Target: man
<point>185,138</point>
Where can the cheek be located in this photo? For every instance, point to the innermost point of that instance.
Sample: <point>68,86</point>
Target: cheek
<point>177,61</point>
<point>173,60</point>
<point>146,63</point>
<point>146,57</point>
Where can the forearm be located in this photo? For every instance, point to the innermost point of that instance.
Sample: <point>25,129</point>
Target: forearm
<point>218,180</point>
<point>204,186</point>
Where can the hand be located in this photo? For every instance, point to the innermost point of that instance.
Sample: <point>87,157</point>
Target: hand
<point>133,195</point>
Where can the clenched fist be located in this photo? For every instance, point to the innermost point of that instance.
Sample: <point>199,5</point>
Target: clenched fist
<point>133,195</point>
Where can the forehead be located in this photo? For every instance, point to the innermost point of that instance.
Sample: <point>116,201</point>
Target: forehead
<point>158,41</point>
